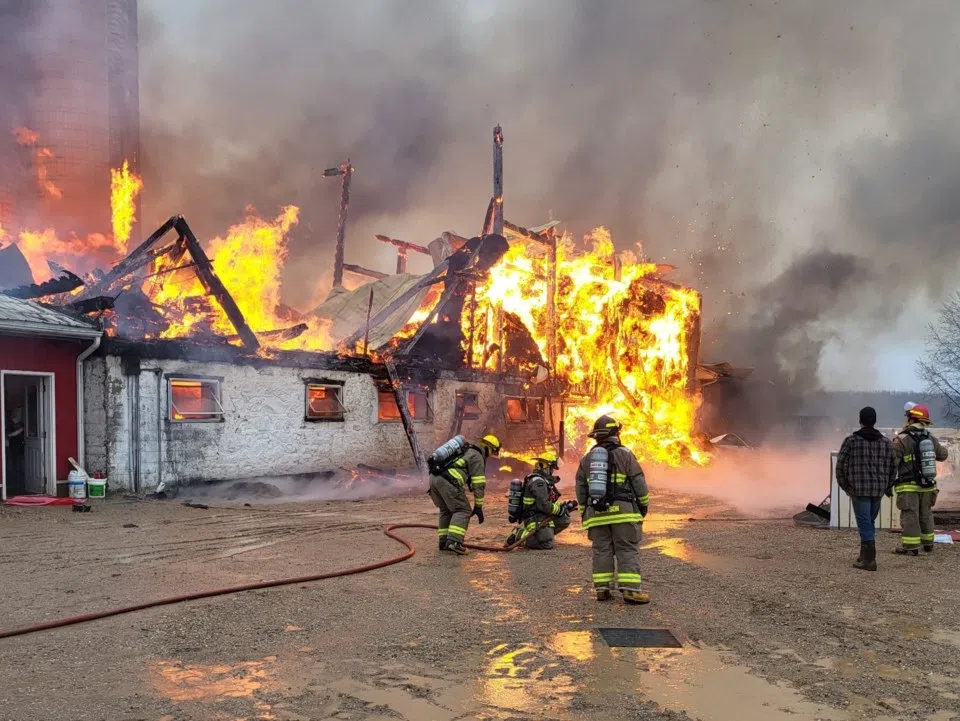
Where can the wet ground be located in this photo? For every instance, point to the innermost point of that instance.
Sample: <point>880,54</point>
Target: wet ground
<point>774,622</point>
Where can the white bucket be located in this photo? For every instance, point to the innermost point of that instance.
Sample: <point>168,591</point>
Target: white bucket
<point>77,485</point>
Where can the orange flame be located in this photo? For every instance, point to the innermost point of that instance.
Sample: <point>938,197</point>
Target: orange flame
<point>124,189</point>
<point>28,138</point>
<point>621,339</point>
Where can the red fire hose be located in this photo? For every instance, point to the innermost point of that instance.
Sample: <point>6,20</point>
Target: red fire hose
<point>389,531</point>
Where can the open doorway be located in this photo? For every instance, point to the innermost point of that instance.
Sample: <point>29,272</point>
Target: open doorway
<point>27,425</point>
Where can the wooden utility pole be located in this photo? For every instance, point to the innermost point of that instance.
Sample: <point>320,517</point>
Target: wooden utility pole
<point>498,180</point>
<point>346,173</point>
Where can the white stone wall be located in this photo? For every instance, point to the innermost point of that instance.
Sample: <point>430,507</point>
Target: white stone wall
<point>263,432</point>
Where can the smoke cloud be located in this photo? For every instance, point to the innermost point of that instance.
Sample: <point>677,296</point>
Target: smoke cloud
<point>797,160</point>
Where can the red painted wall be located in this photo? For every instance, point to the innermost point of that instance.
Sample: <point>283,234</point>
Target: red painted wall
<point>60,358</point>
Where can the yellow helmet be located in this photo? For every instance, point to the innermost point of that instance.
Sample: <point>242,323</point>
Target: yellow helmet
<point>548,457</point>
<point>491,442</point>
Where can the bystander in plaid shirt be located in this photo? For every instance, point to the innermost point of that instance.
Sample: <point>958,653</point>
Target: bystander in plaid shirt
<point>867,463</point>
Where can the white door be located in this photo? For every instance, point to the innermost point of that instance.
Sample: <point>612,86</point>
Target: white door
<point>35,437</point>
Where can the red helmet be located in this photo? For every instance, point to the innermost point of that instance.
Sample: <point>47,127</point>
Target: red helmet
<point>919,413</point>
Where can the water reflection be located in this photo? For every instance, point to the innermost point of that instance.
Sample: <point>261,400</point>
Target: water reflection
<point>211,683</point>
<point>578,645</point>
<point>526,677</point>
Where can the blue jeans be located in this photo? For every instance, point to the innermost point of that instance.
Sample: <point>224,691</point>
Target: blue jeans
<point>866,509</point>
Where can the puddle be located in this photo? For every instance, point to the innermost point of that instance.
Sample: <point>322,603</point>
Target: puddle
<point>678,548</point>
<point>494,580</point>
<point>576,645</point>
<point>524,676</point>
<point>700,683</point>
<point>213,683</point>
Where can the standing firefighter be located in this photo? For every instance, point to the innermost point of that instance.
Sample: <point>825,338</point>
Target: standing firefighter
<point>536,506</point>
<point>917,454</point>
<point>612,490</point>
<point>455,467</point>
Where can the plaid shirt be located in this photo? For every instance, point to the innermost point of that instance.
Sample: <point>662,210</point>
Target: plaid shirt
<point>867,464</point>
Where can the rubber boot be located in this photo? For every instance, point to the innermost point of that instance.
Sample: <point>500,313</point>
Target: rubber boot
<point>635,597</point>
<point>928,548</point>
<point>901,551</point>
<point>443,543</point>
<point>862,558</point>
<point>870,557</point>
<point>457,547</point>
<point>603,594</point>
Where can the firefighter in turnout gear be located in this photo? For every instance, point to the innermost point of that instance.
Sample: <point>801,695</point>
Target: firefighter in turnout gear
<point>542,515</point>
<point>612,491</point>
<point>455,468</point>
<point>917,452</point>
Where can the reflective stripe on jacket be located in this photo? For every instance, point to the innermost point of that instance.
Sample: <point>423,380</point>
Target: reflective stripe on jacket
<point>470,469</point>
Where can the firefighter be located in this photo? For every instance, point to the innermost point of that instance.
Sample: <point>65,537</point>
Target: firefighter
<point>613,522</point>
<point>541,506</point>
<point>464,469</point>
<point>916,484</point>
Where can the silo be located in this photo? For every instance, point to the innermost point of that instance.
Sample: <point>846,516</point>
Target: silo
<point>79,93</point>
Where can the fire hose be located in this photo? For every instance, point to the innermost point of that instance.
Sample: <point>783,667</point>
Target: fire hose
<point>171,600</point>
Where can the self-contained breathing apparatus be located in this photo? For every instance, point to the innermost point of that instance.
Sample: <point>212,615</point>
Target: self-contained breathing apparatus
<point>923,462</point>
<point>601,491</point>
<point>440,461</point>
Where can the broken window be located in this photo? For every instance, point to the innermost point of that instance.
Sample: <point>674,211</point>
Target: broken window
<point>324,402</point>
<point>418,404</point>
<point>194,399</point>
<point>521,410</point>
<point>468,406</point>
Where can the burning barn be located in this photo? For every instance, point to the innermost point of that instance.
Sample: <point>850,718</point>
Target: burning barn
<point>205,375</point>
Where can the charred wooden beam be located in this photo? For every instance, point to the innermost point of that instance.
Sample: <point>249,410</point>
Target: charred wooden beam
<point>529,234</point>
<point>63,283</point>
<point>406,245</point>
<point>97,304</point>
<point>408,426</point>
<point>132,261</point>
<point>346,171</point>
<point>488,218</point>
<point>401,260</point>
<point>498,180</point>
<point>276,336</point>
<point>360,270</point>
<point>211,283</point>
<point>693,348</point>
<point>552,306</point>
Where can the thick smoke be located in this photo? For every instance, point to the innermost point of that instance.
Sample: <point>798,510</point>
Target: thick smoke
<point>795,159</point>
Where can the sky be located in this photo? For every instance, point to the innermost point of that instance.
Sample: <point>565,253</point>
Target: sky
<point>796,160</point>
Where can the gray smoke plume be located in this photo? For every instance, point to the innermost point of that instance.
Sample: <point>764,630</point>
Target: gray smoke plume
<point>795,159</point>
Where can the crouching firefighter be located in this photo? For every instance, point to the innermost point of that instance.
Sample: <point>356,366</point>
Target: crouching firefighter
<point>612,491</point>
<point>535,504</point>
<point>455,467</point>
<point>917,453</point>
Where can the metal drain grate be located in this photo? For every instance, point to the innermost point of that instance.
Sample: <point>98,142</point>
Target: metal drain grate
<point>639,638</point>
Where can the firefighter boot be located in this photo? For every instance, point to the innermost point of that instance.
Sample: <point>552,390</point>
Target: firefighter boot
<point>603,594</point>
<point>928,548</point>
<point>901,551</point>
<point>635,597</point>
<point>868,557</point>
<point>443,543</point>
<point>457,548</point>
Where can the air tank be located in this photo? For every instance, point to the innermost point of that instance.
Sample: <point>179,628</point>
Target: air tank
<point>599,461</point>
<point>448,450</point>
<point>927,452</point>
<point>514,500</point>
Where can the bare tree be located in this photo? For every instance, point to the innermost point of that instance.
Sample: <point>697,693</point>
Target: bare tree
<point>940,368</point>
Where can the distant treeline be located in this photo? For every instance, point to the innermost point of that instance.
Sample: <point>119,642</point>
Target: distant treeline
<point>843,407</point>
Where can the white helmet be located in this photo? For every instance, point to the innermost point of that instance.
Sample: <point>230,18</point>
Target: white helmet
<point>908,406</point>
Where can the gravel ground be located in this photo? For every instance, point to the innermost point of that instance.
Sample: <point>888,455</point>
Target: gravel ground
<point>775,622</point>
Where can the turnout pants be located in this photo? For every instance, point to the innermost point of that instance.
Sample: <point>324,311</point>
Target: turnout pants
<point>616,556</point>
<point>454,508</point>
<point>542,540</point>
<point>916,518</point>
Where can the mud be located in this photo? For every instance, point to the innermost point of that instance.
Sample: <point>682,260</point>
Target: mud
<point>775,623</point>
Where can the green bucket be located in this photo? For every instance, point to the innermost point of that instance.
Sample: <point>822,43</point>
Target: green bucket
<point>96,487</point>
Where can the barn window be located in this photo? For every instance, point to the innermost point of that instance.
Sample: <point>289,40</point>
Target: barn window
<point>194,399</point>
<point>468,406</point>
<point>324,402</point>
<point>521,410</point>
<point>418,404</point>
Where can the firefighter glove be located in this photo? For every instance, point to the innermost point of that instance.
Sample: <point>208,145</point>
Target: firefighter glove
<point>478,512</point>
<point>889,492</point>
<point>571,506</point>
<point>644,509</point>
